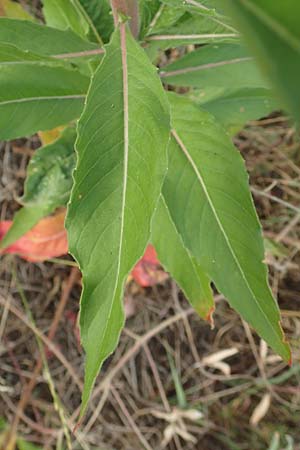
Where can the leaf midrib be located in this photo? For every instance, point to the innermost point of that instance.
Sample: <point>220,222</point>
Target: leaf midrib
<point>200,67</point>
<point>184,149</point>
<point>34,99</point>
<point>123,47</point>
<point>168,37</point>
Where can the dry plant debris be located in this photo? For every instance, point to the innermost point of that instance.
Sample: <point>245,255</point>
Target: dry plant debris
<point>237,393</point>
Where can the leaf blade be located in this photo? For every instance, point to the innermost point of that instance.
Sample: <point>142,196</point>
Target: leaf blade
<point>234,109</point>
<point>227,240</point>
<point>38,96</point>
<point>177,260</point>
<point>223,65</point>
<point>63,15</point>
<point>41,39</point>
<point>133,105</point>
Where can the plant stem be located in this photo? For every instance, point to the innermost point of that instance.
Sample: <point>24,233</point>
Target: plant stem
<point>127,8</point>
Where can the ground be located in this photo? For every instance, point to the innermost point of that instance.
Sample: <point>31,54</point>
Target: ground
<point>158,384</point>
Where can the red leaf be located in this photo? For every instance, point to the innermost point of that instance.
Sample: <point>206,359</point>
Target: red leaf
<point>46,240</point>
<point>147,271</point>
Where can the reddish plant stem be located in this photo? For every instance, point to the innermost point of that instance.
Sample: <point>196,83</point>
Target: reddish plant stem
<point>127,8</point>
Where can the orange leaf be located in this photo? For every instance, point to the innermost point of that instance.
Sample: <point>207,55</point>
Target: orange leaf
<point>46,240</point>
<point>147,271</point>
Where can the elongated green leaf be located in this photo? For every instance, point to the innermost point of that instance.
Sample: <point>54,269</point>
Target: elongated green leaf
<point>101,16</point>
<point>234,108</point>
<point>271,29</point>
<point>35,96</point>
<point>65,14</point>
<point>177,260</point>
<point>208,198</point>
<point>42,40</point>
<point>224,65</point>
<point>122,139</point>
<point>48,185</point>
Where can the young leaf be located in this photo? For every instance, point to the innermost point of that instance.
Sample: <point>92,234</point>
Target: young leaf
<point>272,31</point>
<point>38,96</point>
<point>177,260</point>
<point>222,65</point>
<point>122,139</point>
<point>207,194</point>
<point>42,40</point>
<point>47,186</point>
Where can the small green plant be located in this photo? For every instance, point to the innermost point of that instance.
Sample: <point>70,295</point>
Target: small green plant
<point>154,159</point>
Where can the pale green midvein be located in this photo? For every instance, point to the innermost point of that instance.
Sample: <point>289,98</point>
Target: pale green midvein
<point>126,131</point>
<point>32,99</point>
<point>191,161</point>
<point>126,146</point>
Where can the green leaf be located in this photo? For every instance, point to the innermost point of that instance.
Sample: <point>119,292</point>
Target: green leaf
<point>48,184</point>
<point>10,53</point>
<point>147,10</point>
<point>122,139</point>
<point>101,16</point>
<point>36,96</point>
<point>165,18</point>
<point>65,14</point>
<point>174,27</point>
<point>177,260</point>
<point>234,108</point>
<point>71,14</point>
<point>272,31</point>
<point>180,394</point>
<point>224,65</point>
<point>42,40</point>
<point>210,8</point>
<point>207,194</point>
<point>213,6</point>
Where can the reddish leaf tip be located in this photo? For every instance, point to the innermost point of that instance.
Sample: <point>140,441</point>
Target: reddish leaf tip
<point>209,317</point>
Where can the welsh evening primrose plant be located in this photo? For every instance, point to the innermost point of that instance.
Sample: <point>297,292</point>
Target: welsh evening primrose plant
<point>154,160</point>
